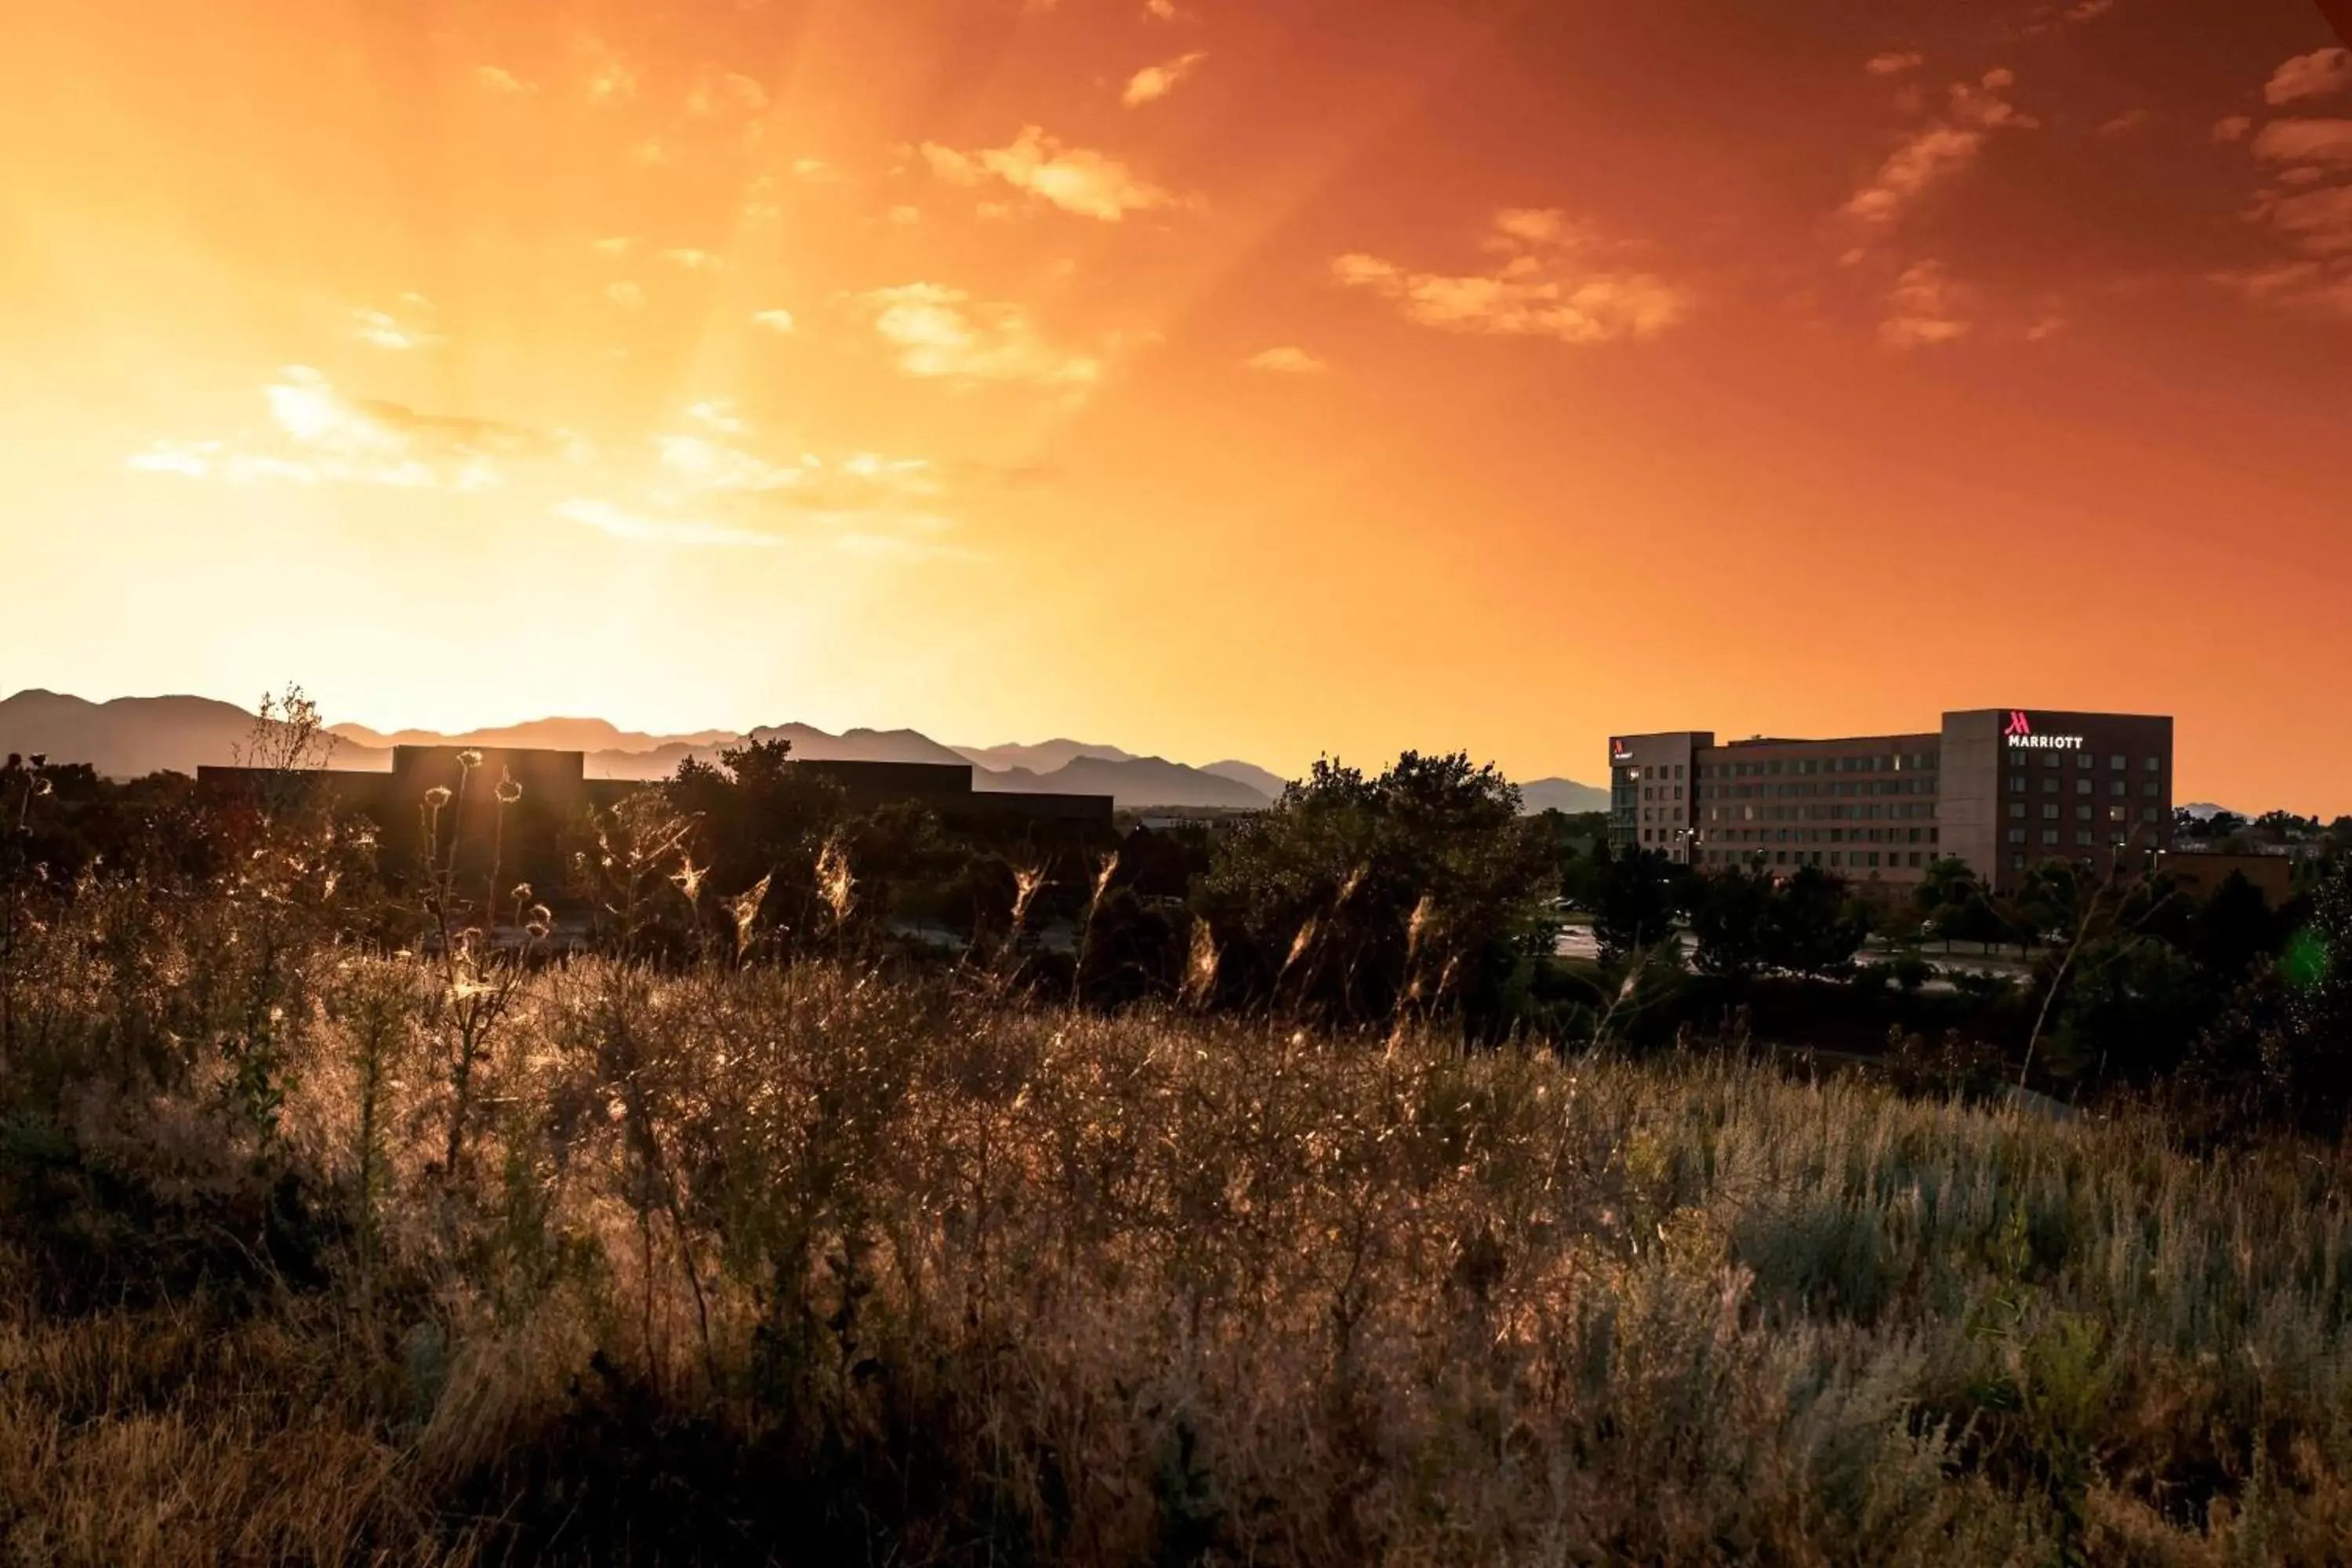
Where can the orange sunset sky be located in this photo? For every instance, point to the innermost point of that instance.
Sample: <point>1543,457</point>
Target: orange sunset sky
<point>1219,378</point>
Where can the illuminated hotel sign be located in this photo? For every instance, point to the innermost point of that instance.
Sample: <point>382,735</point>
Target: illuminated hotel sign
<point>1619,752</point>
<point>2021,735</point>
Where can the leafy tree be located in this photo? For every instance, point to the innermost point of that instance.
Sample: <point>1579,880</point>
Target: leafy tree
<point>2135,1008</point>
<point>1734,917</point>
<point>1633,903</point>
<point>1950,903</point>
<point>2233,929</point>
<point>1359,893</point>
<point>758,815</point>
<point>1815,929</point>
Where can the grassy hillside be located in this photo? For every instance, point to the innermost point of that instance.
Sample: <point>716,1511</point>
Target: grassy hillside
<point>809,1266</point>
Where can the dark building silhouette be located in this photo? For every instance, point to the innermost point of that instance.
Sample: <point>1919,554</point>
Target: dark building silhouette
<point>507,812</point>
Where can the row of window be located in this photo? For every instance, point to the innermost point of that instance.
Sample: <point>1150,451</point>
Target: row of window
<point>1901,761</point>
<point>1914,784</point>
<point>2082,813</point>
<point>1801,835</point>
<point>1839,859</point>
<point>2020,784</point>
<point>2116,759</point>
<point>2085,838</point>
<point>1920,811</point>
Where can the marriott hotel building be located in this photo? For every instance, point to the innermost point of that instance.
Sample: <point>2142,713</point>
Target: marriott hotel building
<point>2003,789</point>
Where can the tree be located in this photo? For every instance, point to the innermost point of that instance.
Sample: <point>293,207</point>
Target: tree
<point>1634,904</point>
<point>2232,929</point>
<point>1814,928</point>
<point>1732,916</point>
<point>756,817</point>
<point>1358,894</point>
<point>2136,1007</point>
<point>1950,903</point>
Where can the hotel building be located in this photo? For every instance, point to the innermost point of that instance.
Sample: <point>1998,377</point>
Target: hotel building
<point>2002,789</point>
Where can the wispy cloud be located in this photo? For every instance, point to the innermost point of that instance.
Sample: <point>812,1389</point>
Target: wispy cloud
<point>1153,83</point>
<point>498,79</point>
<point>319,436</point>
<point>411,327</point>
<point>1923,309</point>
<point>715,481</point>
<point>2124,124</point>
<point>1553,283</point>
<point>1076,179</point>
<point>628,296</point>
<point>944,333</point>
<point>1894,62</point>
<point>692,260</point>
<point>778,321</point>
<point>1945,147</point>
<point>2321,142</point>
<point>2320,74</point>
<point>2233,128</point>
<point>719,92</point>
<point>1287,360</point>
<point>606,74</point>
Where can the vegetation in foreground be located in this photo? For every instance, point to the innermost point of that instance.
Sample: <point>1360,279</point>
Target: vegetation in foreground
<point>808,1267</point>
<point>314,1250</point>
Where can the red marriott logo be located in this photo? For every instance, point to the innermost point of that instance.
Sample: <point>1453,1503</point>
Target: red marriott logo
<point>2018,723</point>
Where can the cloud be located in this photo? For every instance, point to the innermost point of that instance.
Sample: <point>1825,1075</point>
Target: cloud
<point>2306,286</point>
<point>778,321</point>
<point>2320,221</point>
<point>618,245</point>
<point>1163,10</point>
<point>1894,62</point>
<point>2124,124</point>
<point>608,75</point>
<point>1548,287</point>
<point>1076,179</point>
<point>1286,360</point>
<point>628,296</point>
<point>2233,128</point>
<point>497,79</point>
<point>2319,74</point>
<point>2306,141</point>
<point>694,261</point>
<point>1923,309</point>
<point>397,332</point>
<point>319,436</point>
<point>939,332</point>
<point>1153,83</point>
<point>1938,151</point>
<point>721,92</point>
<point>904,216</point>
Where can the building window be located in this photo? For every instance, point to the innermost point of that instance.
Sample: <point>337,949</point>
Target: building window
<point>2082,814</point>
<point>2086,838</point>
<point>1678,792</point>
<point>2052,760</point>
<point>2049,786</point>
<point>2083,786</point>
<point>2050,812</point>
<point>1874,859</point>
<point>2017,835</point>
<point>1914,859</point>
<point>2117,786</point>
<point>2148,815</point>
<point>2152,764</point>
<point>2017,862</point>
<point>2119,764</point>
<point>1837,858</point>
<point>2151,787</point>
<point>2049,835</point>
<point>2117,812</point>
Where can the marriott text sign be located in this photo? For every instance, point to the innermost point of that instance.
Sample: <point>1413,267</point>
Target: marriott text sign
<point>2021,734</point>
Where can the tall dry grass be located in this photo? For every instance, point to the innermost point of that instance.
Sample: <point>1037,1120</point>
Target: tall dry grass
<point>813,1266</point>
